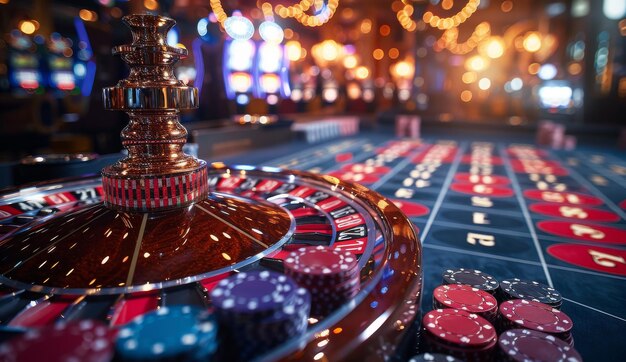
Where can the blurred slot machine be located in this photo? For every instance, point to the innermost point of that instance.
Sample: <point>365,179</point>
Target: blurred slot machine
<point>310,89</point>
<point>356,104</point>
<point>330,91</point>
<point>24,74</point>
<point>61,75</point>
<point>70,66</point>
<point>238,68</point>
<point>271,73</point>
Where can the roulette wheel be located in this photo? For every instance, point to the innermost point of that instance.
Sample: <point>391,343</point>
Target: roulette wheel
<point>155,235</point>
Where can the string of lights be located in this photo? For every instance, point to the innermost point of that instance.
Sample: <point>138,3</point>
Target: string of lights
<point>449,39</point>
<point>452,21</point>
<point>218,10</point>
<point>404,17</point>
<point>298,11</point>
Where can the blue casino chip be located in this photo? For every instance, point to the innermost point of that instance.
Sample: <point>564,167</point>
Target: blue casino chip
<point>257,292</point>
<point>191,334</point>
<point>259,310</point>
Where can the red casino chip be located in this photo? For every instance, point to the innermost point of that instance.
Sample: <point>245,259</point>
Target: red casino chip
<point>623,204</point>
<point>522,313</point>
<point>481,179</point>
<point>604,260</point>
<point>482,190</point>
<point>86,340</point>
<point>563,197</point>
<point>574,212</point>
<point>320,261</point>
<point>521,345</point>
<point>459,328</point>
<point>467,298</point>
<point>586,231</point>
<point>330,275</point>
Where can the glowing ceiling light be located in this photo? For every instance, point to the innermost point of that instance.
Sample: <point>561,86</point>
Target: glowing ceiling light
<point>239,27</point>
<point>614,9</point>
<point>271,32</point>
<point>172,37</point>
<point>350,62</point>
<point>27,27</point>
<point>151,4</point>
<point>580,8</point>
<point>294,50</point>
<point>362,73</point>
<point>403,69</point>
<point>476,63</point>
<point>202,26</point>
<point>466,96</point>
<point>516,84</point>
<point>484,83</point>
<point>493,47</point>
<point>532,42</point>
<point>469,77</point>
<point>547,71</point>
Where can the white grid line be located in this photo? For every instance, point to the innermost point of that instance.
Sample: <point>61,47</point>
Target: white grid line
<point>529,222</point>
<point>443,191</point>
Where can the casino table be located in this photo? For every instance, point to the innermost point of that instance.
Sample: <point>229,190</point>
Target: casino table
<point>502,205</point>
<point>507,208</point>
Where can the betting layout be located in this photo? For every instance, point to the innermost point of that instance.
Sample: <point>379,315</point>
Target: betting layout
<point>513,209</point>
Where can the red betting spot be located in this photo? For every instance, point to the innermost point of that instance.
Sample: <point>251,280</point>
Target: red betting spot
<point>543,170</point>
<point>487,160</point>
<point>526,151</point>
<point>211,282</point>
<point>129,308</point>
<point>623,204</point>
<point>574,212</point>
<point>482,190</point>
<point>411,209</point>
<point>481,179</point>
<point>606,260</point>
<point>43,313</point>
<point>584,231</point>
<point>343,157</point>
<point>362,168</point>
<point>361,178</point>
<point>563,197</point>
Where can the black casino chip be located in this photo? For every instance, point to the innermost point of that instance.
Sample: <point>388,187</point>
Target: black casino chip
<point>472,277</point>
<point>530,290</point>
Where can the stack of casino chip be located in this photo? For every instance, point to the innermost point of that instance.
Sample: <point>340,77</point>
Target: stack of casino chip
<point>528,314</point>
<point>471,277</point>
<point>259,310</point>
<point>463,335</point>
<point>174,333</point>
<point>87,340</point>
<point>521,345</point>
<point>530,290</point>
<point>330,275</point>
<point>467,298</point>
